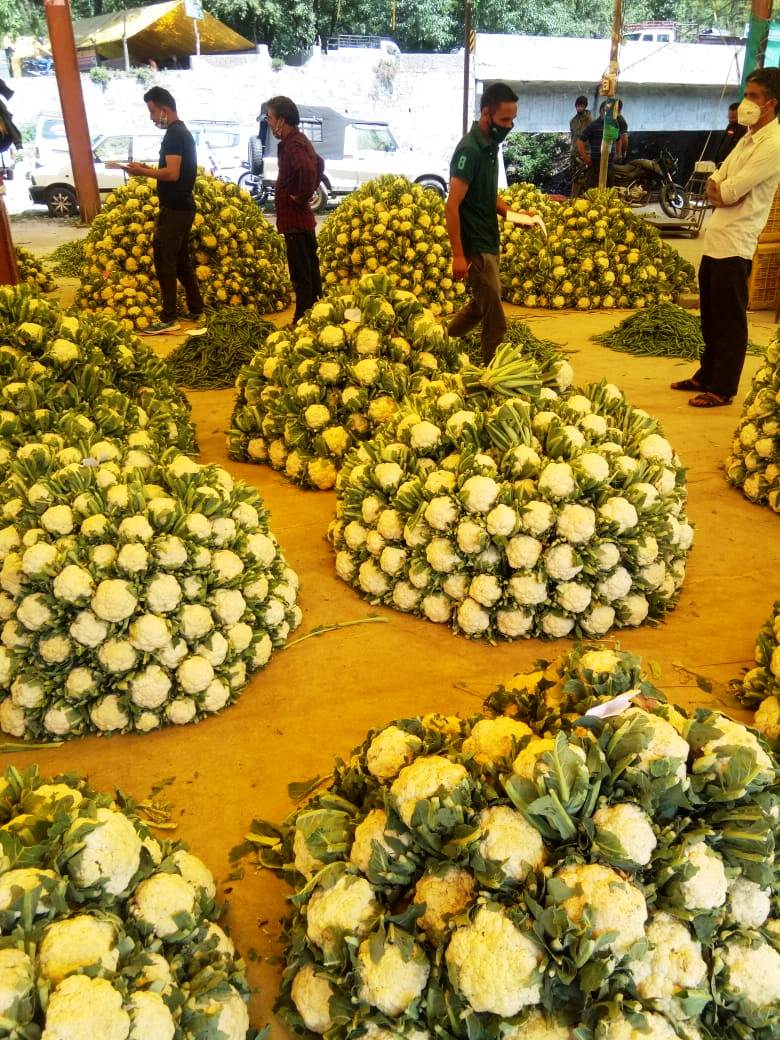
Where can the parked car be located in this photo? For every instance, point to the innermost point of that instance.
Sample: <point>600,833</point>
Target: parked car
<point>218,143</point>
<point>354,150</point>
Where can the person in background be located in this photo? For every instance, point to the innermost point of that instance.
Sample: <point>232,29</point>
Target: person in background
<point>589,144</point>
<point>175,178</point>
<point>300,173</point>
<point>577,124</point>
<point>731,135</point>
<point>472,212</point>
<point>741,192</point>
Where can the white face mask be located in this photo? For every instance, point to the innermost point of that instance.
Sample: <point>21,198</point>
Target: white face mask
<point>748,113</point>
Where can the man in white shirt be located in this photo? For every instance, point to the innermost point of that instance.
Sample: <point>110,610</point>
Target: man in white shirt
<point>741,192</point>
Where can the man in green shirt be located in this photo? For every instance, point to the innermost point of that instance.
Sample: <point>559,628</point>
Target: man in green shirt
<point>472,212</point>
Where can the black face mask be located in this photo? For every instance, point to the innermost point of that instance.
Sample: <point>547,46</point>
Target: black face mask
<point>499,133</point>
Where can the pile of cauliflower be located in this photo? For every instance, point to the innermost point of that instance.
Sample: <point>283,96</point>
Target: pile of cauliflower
<point>60,374</point>
<point>549,514</point>
<point>239,257</point>
<point>596,860</point>
<point>760,686</point>
<point>394,225</point>
<point>597,254</point>
<point>753,464</point>
<point>32,272</point>
<point>313,392</point>
<point>137,588</point>
<point>108,933</point>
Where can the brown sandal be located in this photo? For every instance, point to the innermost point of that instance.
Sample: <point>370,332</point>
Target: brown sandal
<point>687,384</point>
<point>709,400</point>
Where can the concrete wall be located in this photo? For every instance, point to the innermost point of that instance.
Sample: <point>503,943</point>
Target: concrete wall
<point>549,106</point>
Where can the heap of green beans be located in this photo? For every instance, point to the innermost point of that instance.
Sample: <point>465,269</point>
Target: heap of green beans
<point>660,330</point>
<point>519,335</point>
<point>68,259</point>
<point>213,361</point>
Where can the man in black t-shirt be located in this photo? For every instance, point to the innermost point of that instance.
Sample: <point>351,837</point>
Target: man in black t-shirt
<point>175,178</point>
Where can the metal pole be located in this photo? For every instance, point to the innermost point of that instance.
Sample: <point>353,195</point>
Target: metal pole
<point>197,36</point>
<point>66,67</point>
<point>125,51</point>
<point>9,273</point>
<point>466,76</point>
<point>606,144</point>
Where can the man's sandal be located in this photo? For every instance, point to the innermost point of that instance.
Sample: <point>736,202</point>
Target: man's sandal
<point>709,400</point>
<point>687,384</point>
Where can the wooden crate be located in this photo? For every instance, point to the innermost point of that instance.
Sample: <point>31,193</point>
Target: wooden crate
<point>771,232</point>
<point>764,282</point>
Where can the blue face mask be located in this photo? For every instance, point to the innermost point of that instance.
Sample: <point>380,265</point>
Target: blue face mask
<point>499,133</point>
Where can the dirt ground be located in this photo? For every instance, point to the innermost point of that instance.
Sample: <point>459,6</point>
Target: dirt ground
<point>318,699</point>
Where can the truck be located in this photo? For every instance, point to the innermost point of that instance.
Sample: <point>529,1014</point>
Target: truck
<point>355,151</point>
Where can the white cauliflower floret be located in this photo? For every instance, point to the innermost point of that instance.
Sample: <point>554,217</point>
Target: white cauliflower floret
<point>445,896</point>
<point>754,972</point>
<point>151,1019</point>
<point>665,742</point>
<point>708,887</point>
<point>304,862</point>
<point>391,982</point>
<point>491,740</point>
<point>673,961</point>
<point>390,751</point>
<point>734,734</point>
<point>767,718</point>
<point>749,903</point>
<point>479,494</point>
<point>311,995</point>
<point>17,977</point>
<point>615,905</point>
<point>371,829</point>
<point>508,838</point>
<point>83,1007</point>
<point>161,898</point>
<point>76,943</point>
<point>348,906</point>
<point>195,872</point>
<point>111,852</point>
<point>494,965</point>
<point>629,825</point>
<point>25,879</point>
<point>228,1012</point>
<point>425,778</point>
<point>538,1026</point>
<point>656,1028</point>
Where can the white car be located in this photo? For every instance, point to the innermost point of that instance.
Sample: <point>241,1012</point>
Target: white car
<point>355,151</point>
<point>218,144</point>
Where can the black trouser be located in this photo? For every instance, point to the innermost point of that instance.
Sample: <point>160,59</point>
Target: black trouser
<point>723,292</point>
<point>304,266</point>
<point>171,245</point>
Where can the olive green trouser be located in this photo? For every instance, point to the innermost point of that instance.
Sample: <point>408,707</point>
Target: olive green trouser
<point>484,306</point>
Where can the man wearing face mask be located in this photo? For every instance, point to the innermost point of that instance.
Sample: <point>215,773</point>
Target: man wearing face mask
<point>472,212</point>
<point>300,172</point>
<point>175,176</point>
<point>741,192</point>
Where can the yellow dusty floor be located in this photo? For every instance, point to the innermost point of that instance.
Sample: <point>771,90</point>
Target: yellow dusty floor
<point>317,699</point>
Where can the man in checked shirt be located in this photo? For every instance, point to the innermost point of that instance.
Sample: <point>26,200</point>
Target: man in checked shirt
<point>300,172</point>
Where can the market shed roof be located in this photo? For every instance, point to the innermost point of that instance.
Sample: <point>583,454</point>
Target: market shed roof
<point>563,59</point>
<point>158,29</point>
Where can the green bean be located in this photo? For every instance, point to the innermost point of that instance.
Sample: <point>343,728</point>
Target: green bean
<point>660,330</point>
<point>213,361</point>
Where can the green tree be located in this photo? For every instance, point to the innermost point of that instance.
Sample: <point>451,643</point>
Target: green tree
<point>21,18</point>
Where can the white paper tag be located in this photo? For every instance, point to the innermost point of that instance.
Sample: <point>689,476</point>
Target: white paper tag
<point>526,220</point>
<point>614,707</point>
<point>353,314</point>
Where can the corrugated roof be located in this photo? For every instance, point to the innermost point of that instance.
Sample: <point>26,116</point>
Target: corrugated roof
<point>564,59</point>
<point>157,30</point>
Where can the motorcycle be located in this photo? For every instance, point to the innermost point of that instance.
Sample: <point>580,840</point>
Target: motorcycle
<point>641,181</point>
<point>42,66</point>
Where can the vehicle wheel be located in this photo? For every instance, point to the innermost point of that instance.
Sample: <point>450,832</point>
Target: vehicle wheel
<point>249,182</point>
<point>62,202</point>
<point>255,156</point>
<point>433,184</point>
<point>674,201</point>
<point>319,199</point>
